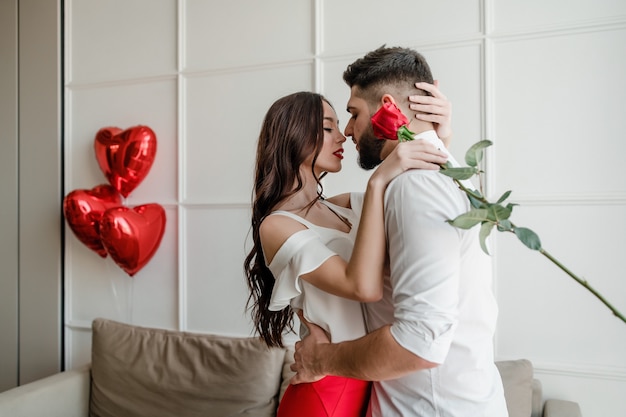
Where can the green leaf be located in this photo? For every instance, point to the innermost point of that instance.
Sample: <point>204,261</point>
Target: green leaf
<point>528,238</point>
<point>511,205</point>
<point>476,203</point>
<point>462,173</point>
<point>485,230</point>
<point>475,153</point>
<point>469,219</point>
<point>497,213</point>
<point>475,193</point>
<point>476,199</point>
<point>504,225</point>
<point>504,197</point>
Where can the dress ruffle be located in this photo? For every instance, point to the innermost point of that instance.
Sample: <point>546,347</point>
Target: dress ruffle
<point>301,253</point>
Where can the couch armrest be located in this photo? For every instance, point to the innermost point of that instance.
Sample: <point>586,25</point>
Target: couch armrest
<point>561,408</point>
<point>65,394</point>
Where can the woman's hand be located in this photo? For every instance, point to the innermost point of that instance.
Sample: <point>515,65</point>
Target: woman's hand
<point>416,154</point>
<point>436,109</point>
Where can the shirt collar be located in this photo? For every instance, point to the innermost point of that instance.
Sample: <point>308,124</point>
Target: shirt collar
<point>431,137</point>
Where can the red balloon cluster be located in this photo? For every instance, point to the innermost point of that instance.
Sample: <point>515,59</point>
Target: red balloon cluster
<point>97,217</point>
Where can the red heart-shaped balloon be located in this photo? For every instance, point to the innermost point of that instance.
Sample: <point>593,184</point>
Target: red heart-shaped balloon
<point>83,210</point>
<point>125,156</point>
<point>132,236</point>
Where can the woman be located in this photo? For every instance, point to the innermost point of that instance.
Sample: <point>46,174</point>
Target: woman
<point>308,252</point>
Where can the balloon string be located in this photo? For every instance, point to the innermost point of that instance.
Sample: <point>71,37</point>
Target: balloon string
<point>113,274</point>
<point>131,297</point>
<point>127,283</point>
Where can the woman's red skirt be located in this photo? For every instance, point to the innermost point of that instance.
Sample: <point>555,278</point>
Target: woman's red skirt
<point>331,396</point>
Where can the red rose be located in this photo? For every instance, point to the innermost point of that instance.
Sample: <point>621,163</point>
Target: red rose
<point>389,123</point>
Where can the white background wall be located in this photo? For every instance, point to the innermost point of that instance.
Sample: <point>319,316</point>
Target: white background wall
<point>544,80</point>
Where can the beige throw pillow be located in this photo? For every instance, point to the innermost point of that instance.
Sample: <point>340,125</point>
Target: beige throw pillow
<point>139,371</point>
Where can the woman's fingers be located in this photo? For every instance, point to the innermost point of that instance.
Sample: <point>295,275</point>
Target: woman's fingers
<point>420,154</point>
<point>435,108</point>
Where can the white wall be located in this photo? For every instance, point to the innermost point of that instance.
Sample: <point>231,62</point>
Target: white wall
<point>543,80</point>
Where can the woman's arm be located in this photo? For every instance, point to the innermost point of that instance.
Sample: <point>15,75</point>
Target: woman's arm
<point>361,277</point>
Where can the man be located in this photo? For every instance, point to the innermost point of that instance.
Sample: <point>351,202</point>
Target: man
<point>430,342</point>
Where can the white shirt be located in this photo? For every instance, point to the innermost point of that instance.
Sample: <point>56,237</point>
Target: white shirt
<point>439,300</point>
<point>303,252</point>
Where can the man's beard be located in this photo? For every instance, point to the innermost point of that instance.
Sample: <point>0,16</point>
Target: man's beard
<point>369,150</point>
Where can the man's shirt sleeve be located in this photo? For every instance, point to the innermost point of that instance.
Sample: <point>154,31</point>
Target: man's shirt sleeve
<point>425,261</point>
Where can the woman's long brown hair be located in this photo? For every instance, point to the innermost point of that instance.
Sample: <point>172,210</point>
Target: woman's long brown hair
<point>292,130</point>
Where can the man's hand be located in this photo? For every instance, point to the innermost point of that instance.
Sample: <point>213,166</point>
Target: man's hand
<point>307,366</point>
<point>435,108</point>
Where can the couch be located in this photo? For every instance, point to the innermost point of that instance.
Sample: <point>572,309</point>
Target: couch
<point>140,371</point>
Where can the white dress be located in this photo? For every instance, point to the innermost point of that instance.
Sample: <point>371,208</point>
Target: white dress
<point>303,252</point>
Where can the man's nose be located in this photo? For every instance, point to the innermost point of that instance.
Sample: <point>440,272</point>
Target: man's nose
<point>348,131</point>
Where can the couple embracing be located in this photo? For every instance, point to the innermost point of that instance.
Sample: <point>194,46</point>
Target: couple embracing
<point>396,306</point>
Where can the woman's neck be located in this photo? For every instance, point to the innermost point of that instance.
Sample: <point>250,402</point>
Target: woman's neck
<point>300,200</point>
<point>305,196</point>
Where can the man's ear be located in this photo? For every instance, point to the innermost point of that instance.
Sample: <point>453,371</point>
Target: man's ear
<point>388,98</point>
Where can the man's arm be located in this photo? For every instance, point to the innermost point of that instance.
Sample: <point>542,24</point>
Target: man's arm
<point>374,357</point>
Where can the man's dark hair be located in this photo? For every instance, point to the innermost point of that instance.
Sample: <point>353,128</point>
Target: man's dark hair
<point>388,69</point>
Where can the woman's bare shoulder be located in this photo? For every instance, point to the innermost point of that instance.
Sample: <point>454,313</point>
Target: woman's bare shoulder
<point>275,230</point>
